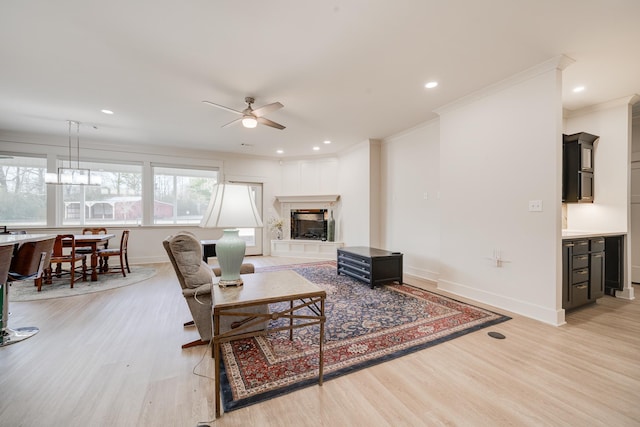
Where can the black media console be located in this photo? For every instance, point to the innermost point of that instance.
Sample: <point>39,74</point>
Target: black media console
<point>370,265</point>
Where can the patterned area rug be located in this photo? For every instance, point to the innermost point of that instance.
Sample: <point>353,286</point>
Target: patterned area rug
<point>24,290</point>
<point>364,327</point>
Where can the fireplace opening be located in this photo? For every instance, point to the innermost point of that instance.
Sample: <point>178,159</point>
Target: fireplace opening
<point>309,224</point>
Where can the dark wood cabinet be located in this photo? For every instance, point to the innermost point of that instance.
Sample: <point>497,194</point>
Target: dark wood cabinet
<point>370,265</point>
<point>583,271</point>
<point>578,167</point>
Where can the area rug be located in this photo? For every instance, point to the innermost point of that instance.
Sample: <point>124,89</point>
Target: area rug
<point>24,290</point>
<point>364,327</point>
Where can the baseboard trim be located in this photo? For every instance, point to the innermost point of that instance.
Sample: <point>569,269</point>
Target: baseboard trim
<point>542,314</point>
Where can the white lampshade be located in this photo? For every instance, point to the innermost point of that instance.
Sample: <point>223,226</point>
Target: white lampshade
<point>231,206</point>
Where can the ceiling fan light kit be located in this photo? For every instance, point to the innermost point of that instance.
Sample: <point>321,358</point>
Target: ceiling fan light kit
<point>249,122</point>
<point>250,117</point>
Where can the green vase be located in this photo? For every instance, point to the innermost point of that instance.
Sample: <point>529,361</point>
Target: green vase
<point>230,252</point>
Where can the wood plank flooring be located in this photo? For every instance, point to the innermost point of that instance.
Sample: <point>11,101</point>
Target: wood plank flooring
<point>114,359</point>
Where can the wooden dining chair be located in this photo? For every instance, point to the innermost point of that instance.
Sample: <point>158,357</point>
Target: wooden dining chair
<point>87,250</point>
<point>72,257</point>
<point>121,252</point>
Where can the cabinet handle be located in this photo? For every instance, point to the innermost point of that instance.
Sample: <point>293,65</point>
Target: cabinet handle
<point>569,245</point>
<point>581,287</point>
<point>583,272</point>
<point>597,256</point>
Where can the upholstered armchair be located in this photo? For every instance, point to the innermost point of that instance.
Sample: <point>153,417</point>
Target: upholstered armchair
<point>196,279</point>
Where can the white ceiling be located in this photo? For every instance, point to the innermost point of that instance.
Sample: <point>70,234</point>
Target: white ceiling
<point>345,70</point>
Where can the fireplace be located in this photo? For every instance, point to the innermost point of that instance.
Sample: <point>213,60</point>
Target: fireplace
<point>309,224</point>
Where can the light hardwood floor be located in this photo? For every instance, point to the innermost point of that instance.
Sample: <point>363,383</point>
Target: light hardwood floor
<point>114,359</point>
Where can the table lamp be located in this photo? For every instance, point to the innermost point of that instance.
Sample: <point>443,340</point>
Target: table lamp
<point>232,206</point>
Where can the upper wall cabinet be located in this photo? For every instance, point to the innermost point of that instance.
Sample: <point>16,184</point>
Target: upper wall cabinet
<point>577,167</point>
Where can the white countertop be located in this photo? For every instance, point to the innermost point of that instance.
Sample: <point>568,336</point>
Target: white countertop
<point>576,234</point>
<point>12,239</point>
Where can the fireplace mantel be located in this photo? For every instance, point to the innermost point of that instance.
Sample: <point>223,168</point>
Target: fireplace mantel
<point>322,198</point>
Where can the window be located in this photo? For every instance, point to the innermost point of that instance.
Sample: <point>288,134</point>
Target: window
<point>181,195</point>
<point>23,192</point>
<point>116,201</point>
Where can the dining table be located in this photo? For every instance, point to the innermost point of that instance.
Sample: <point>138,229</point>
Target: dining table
<point>92,241</point>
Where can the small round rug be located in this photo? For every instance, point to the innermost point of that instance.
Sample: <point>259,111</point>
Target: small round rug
<point>24,290</point>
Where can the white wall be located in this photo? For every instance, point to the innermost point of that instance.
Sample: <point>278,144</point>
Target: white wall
<point>354,177</point>
<point>499,150</point>
<point>609,210</point>
<point>634,220</point>
<point>309,177</point>
<point>410,205</point>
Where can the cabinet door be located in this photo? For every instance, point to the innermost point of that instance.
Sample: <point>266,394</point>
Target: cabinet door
<point>596,276</point>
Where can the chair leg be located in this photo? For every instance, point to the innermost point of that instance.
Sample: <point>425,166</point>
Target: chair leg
<point>72,272</point>
<point>122,266</point>
<point>84,270</point>
<point>195,343</point>
<point>126,260</point>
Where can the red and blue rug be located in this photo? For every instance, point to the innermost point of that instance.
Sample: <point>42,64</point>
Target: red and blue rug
<point>364,327</point>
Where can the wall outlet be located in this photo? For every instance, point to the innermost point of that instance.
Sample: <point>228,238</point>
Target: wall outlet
<point>535,205</point>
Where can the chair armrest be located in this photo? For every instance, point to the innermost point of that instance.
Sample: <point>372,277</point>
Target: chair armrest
<point>200,290</point>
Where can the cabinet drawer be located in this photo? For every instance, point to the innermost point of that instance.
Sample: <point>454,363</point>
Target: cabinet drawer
<point>597,245</point>
<point>580,261</point>
<point>353,260</point>
<point>580,247</point>
<point>579,294</point>
<point>581,275</point>
<point>359,274</point>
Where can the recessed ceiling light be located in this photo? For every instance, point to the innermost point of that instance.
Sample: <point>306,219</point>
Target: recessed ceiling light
<point>431,85</point>
<point>316,148</point>
<point>578,89</point>
<point>279,151</point>
<point>107,111</point>
<point>327,142</point>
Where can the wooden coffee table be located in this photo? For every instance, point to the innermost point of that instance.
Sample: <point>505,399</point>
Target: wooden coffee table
<point>267,288</point>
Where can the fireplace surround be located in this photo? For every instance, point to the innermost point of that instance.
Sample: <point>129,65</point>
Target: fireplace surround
<point>308,239</point>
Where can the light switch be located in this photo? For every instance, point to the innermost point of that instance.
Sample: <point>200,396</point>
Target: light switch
<point>535,205</point>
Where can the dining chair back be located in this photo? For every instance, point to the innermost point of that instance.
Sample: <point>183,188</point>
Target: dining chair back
<point>93,230</point>
<point>121,252</point>
<point>30,260</point>
<point>59,257</point>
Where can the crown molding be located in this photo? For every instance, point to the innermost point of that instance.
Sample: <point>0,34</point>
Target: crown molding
<point>619,102</point>
<point>559,62</point>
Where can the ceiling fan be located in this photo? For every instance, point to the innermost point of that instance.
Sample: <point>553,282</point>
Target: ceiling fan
<point>250,117</point>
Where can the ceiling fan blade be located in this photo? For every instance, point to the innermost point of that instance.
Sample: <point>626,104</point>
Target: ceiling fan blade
<point>223,107</point>
<point>266,109</point>
<point>232,122</point>
<point>271,123</point>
